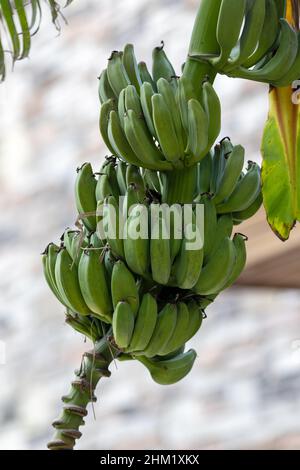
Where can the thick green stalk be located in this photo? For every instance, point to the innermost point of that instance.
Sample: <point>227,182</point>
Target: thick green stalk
<point>94,366</point>
<point>179,186</point>
<point>204,42</point>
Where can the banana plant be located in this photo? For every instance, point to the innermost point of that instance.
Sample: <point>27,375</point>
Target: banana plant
<point>20,20</point>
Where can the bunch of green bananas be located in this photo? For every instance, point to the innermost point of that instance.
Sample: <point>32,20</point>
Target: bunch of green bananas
<point>158,121</point>
<point>256,42</point>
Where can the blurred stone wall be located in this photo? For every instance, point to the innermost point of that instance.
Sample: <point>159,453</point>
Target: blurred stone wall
<point>244,391</point>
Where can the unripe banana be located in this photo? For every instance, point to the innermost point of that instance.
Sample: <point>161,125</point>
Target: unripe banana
<point>218,166</point>
<point>118,140</point>
<point>178,337</point>
<point>165,130</point>
<point>198,132</point>
<point>232,171</point>
<point>144,324</point>
<point>165,326</point>
<point>85,187</point>
<point>146,76</point>
<point>245,192</point>
<point>161,66</point>
<point>136,249</point>
<point>170,371</point>
<point>189,263</point>
<point>175,231</point>
<point>131,66</point>
<point>224,229</point>
<point>195,320</point>
<point>123,324</point>
<point>66,277</point>
<point>104,90</point>
<point>216,272</point>
<point>250,211</point>
<point>105,110</point>
<point>122,107</point>
<point>151,180</point>
<point>93,284</point>
<point>212,107</point>
<point>109,168</point>
<point>292,73</point>
<point>68,239</point>
<point>160,253</point>
<point>49,270</point>
<point>121,177</point>
<point>133,176</point>
<point>146,101</point>
<point>204,175</point>
<point>123,286</point>
<point>116,73</point>
<point>115,227</point>
<point>132,100</point>
<point>185,92</point>
<point>210,224</point>
<point>240,259</point>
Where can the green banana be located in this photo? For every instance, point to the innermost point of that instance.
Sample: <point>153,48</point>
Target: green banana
<point>49,259</point>
<point>146,103</point>
<point>131,66</point>
<point>93,284</point>
<point>146,76</point>
<point>216,272</point>
<point>85,187</point>
<point>132,100</point>
<point>122,107</point>
<point>210,224</point>
<point>144,324</point>
<point>161,66</point>
<point>230,21</point>
<point>104,90</point>
<point>121,177</point>
<point>116,72</point>
<point>165,130</point>
<point>224,229</point>
<point>232,171</point>
<point>178,337</point>
<point>204,176</point>
<point>250,211</point>
<point>133,176</point>
<point>240,259</point>
<point>293,73</point>
<point>195,320</point>
<point>185,92</point>
<point>118,140</point>
<point>245,192</point>
<point>218,165</point>
<point>123,324</point>
<point>164,328</point>
<point>175,231</point>
<point>66,277</point>
<point>160,253</point>
<point>114,227</point>
<point>198,132</point>
<point>136,249</point>
<point>68,239</point>
<point>105,110</point>
<point>130,201</point>
<point>151,180</point>
<point>189,263</point>
<point>170,371</point>
<point>212,108</point>
<point>123,286</point>
<point>109,169</point>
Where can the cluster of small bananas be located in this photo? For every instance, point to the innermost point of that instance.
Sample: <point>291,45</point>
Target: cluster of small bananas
<point>152,292</point>
<point>256,42</point>
<point>159,122</point>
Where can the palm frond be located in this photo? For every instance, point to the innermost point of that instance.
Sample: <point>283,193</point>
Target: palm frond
<point>19,21</point>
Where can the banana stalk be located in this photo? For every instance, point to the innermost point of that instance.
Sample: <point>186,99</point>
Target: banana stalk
<point>93,367</point>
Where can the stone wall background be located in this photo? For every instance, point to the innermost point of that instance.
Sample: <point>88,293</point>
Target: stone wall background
<point>244,391</point>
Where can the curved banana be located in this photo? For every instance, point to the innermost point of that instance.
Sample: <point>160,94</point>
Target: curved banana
<point>179,335</point>
<point>165,326</point>
<point>104,89</point>
<point>232,171</point>
<point>293,73</point>
<point>204,174</point>
<point>136,245</point>
<point>131,66</point>
<point>115,227</point>
<point>93,284</point>
<point>123,286</point>
<point>240,259</point>
<point>145,75</point>
<point>116,72</point>
<point>132,100</point>
<point>133,176</point>
<point>121,177</point>
<point>123,324</point>
<point>189,263</point>
<point>224,229</point>
<point>198,132</point>
<point>210,224</point>
<point>195,320</point>
<point>118,140</point>
<point>105,110</point>
<point>151,180</point>
<point>160,253</point>
<point>250,211</point>
<point>85,187</point>
<point>49,270</point>
<point>146,102</point>
<point>161,66</point>
<point>185,92</point>
<point>144,324</point>
<point>212,107</point>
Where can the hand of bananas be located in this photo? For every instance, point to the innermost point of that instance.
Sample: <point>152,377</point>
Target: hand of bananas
<point>256,42</point>
<point>158,121</point>
<point>147,295</point>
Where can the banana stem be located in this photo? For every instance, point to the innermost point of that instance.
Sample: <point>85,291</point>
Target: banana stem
<point>93,367</point>
<point>204,42</point>
<point>179,186</point>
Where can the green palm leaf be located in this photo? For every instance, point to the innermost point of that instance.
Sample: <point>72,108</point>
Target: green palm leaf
<point>19,21</point>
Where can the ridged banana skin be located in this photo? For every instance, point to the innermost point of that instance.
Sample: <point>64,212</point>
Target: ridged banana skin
<point>165,326</point>
<point>66,277</point>
<point>212,107</point>
<point>165,129</point>
<point>123,286</point>
<point>123,324</point>
<point>254,21</point>
<point>137,252</point>
<point>189,264</point>
<point>118,140</point>
<point>161,65</point>
<point>229,25</point>
<point>109,168</point>
<point>105,110</point>
<point>68,238</point>
<point>115,242</point>
<point>294,71</point>
<point>132,100</point>
<point>49,279</point>
<point>121,177</point>
<point>250,211</point>
<point>185,92</point>
<point>217,168</point>
<point>240,259</point>
<point>104,89</point>
<point>117,75</point>
<point>195,320</point>
<point>146,102</point>
<point>178,337</point>
<point>85,187</point>
<point>175,243</point>
<point>144,325</point>
<point>93,285</point>
<point>170,371</point>
<point>131,66</point>
<point>224,229</point>
<point>145,75</point>
<point>216,272</point>
<point>122,107</point>
<point>198,131</point>
<point>204,174</point>
<point>232,171</point>
<point>210,224</point>
<point>160,253</point>
<point>103,188</point>
<point>245,192</point>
